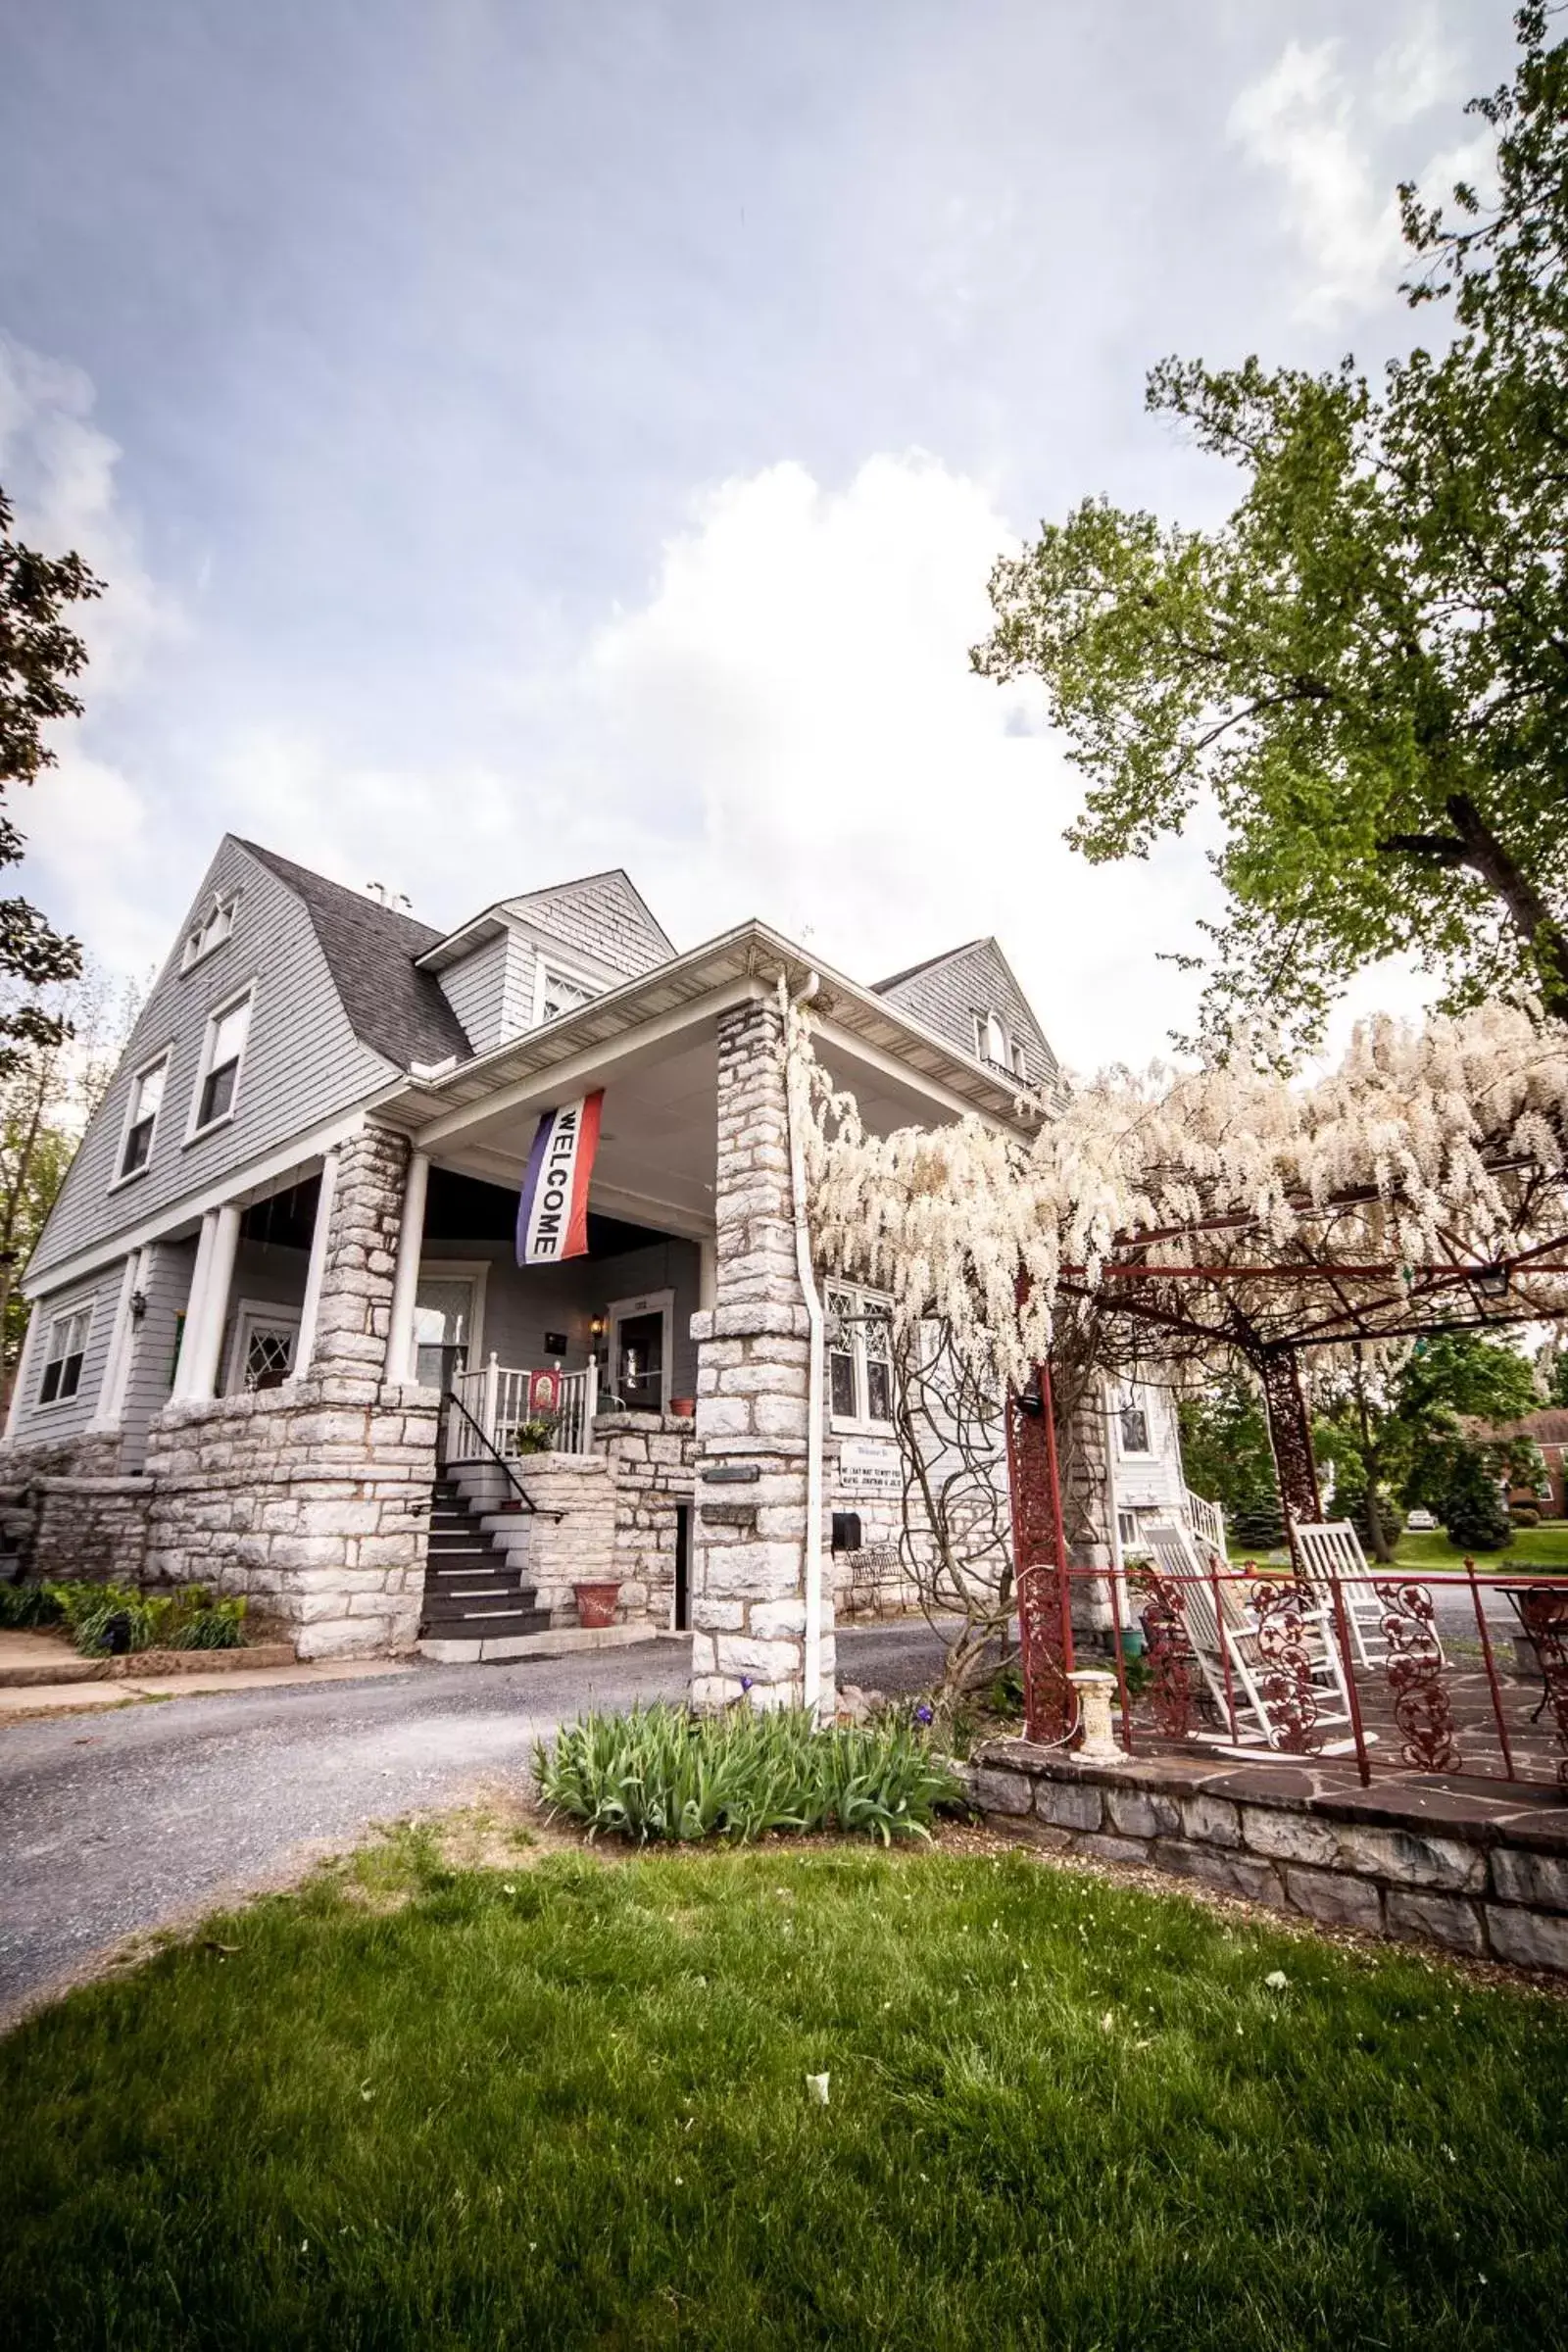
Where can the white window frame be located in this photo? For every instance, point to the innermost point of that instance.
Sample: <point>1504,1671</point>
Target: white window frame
<point>215,929</point>
<point>82,1311</point>
<point>204,1068</point>
<point>123,1174</point>
<point>1137,1398</point>
<point>546,969</point>
<point>473,1270</point>
<point>865,1303</point>
<point>251,1316</point>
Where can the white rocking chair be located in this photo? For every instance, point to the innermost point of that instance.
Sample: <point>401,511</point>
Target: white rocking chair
<point>1225,1640</point>
<point>1330,1553</point>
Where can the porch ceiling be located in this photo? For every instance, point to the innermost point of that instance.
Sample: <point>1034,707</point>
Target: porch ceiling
<point>658,1141</point>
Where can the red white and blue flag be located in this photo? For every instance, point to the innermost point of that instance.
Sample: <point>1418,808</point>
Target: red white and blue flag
<point>553,1211</point>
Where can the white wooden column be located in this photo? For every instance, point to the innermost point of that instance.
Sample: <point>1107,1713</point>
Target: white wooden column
<point>305,1344</point>
<point>193,1306</point>
<point>24,1363</point>
<point>400,1353</point>
<point>121,1347</point>
<point>203,1344</point>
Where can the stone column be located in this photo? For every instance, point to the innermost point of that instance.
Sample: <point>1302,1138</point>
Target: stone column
<point>354,1310</point>
<point>749,1536</point>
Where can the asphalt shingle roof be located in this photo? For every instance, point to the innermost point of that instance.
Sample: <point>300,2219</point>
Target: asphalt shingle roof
<point>393,1008</point>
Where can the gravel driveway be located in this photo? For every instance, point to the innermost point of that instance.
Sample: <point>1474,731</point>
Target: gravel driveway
<point>114,1823</point>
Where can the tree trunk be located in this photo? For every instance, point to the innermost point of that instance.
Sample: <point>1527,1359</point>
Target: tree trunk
<point>1473,844</point>
<point>1382,1548</point>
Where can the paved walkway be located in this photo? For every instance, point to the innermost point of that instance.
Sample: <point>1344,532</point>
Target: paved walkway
<point>119,1820</point>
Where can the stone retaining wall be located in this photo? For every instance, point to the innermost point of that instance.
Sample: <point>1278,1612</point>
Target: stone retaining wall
<point>92,1529</point>
<point>572,1539</point>
<point>1487,1877</point>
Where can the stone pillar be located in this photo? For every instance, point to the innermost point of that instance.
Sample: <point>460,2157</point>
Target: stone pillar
<point>1088,1507</point>
<point>354,1313</point>
<point>748,1536</point>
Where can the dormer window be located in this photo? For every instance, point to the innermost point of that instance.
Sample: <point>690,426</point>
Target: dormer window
<point>559,995</point>
<point>992,1043</point>
<point>211,932</point>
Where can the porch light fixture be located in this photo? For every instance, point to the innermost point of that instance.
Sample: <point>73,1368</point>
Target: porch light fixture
<point>1491,1281</point>
<point>597,1327</point>
<point>138,1305</point>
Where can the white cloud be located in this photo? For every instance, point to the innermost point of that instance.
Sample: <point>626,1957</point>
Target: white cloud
<point>1325,138</point>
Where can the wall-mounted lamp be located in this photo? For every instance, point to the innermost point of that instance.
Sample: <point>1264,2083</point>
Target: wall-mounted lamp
<point>138,1305</point>
<point>597,1327</point>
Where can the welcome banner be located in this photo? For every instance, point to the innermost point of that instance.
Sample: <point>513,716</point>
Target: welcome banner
<point>553,1211</point>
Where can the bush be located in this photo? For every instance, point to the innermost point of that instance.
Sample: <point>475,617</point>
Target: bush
<point>1258,1524</point>
<point>112,1619</point>
<point>22,1606</point>
<point>1475,1516</point>
<point>1524,1514</point>
<point>661,1773</point>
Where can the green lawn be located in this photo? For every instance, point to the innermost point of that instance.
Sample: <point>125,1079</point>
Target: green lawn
<point>565,2104</point>
<point>1543,1548</point>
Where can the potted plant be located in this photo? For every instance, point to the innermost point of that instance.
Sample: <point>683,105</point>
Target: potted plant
<point>596,1603</point>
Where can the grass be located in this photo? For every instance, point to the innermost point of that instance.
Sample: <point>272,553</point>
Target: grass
<point>564,2103</point>
<point>1545,1548</point>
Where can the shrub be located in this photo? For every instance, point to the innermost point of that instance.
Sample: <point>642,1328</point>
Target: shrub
<point>1524,1514</point>
<point>102,1619</point>
<point>1256,1523</point>
<point>1475,1516</point>
<point>661,1773</point>
<point>24,1606</point>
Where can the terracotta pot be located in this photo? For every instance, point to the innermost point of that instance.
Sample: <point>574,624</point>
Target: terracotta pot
<point>683,1408</point>
<point>596,1603</point>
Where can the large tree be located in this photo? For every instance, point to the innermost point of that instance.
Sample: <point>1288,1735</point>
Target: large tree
<point>39,654</point>
<point>1366,667</point>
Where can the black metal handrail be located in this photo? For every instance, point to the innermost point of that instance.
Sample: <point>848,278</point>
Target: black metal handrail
<point>496,1456</point>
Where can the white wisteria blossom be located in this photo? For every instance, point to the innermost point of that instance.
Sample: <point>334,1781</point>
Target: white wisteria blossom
<point>1228,1204</point>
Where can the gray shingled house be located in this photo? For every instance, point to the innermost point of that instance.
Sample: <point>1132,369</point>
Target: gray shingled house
<point>280,1341</point>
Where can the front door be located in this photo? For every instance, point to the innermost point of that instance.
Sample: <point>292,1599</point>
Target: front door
<point>443,1328</point>
<point>638,1342</point>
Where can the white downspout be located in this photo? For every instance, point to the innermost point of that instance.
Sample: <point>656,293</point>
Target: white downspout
<point>811,1692</point>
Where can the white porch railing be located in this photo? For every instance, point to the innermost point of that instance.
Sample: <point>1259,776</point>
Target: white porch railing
<point>1205,1519</point>
<point>497,1396</point>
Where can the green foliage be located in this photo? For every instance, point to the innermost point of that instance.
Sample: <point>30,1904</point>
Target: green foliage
<point>562,2103</point>
<point>38,654</point>
<point>1227,1457</point>
<point>661,1773</point>
<point>188,1619</point>
<point>1557,1378</point>
<point>1475,1516</point>
<point>1366,668</point>
<point>25,1606</point>
<point>1446,1380</point>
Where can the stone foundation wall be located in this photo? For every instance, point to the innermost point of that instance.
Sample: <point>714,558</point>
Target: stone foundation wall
<point>51,1542</point>
<point>315,1506</point>
<point>91,1530</point>
<point>653,1466</point>
<point>1394,1861</point>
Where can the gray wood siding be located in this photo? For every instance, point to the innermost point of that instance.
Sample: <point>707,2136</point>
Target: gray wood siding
<point>167,1270</point>
<point>302,1063</point>
<point>948,995</point>
<point>68,1420</point>
<point>475,990</point>
<point>602,917</point>
<point>492,991</point>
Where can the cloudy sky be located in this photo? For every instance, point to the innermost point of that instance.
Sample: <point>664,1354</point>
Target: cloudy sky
<point>524,436</point>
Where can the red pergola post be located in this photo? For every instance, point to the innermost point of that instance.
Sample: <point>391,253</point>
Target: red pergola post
<point>1040,1560</point>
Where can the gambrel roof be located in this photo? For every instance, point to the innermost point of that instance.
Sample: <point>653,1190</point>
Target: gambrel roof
<point>393,1008</point>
